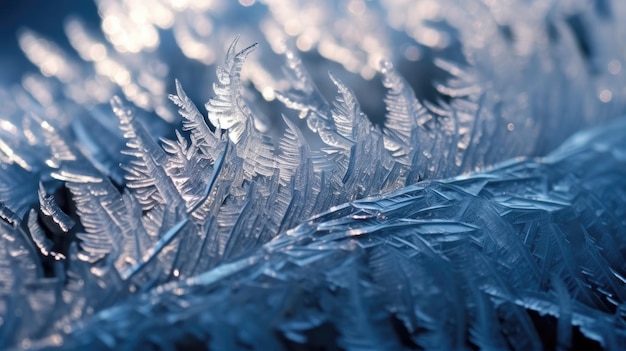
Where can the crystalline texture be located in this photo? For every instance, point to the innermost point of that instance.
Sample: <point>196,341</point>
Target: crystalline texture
<point>271,225</point>
<point>508,252</point>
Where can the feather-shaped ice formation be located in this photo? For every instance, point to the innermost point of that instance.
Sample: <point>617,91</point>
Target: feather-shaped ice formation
<point>508,252</point>
<point>270,225</point>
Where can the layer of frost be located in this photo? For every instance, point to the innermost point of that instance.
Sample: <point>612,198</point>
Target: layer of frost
<point>113,237</point>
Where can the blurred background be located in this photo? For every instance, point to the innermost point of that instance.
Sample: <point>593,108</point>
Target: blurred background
<point>529,65</point>
<point>42,16</point>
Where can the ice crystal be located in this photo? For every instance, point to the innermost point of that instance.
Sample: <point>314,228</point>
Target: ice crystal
<point>303,222</point>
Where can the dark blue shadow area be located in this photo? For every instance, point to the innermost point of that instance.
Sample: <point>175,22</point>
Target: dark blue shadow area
<point>44,17</point>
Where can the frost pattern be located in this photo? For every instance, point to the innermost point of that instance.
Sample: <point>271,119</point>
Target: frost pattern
<point>226,220</point>
<point>488,260</point>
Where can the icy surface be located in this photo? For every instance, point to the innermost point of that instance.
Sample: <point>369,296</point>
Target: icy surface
<point>304,222</point>
<point>528,255</point>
